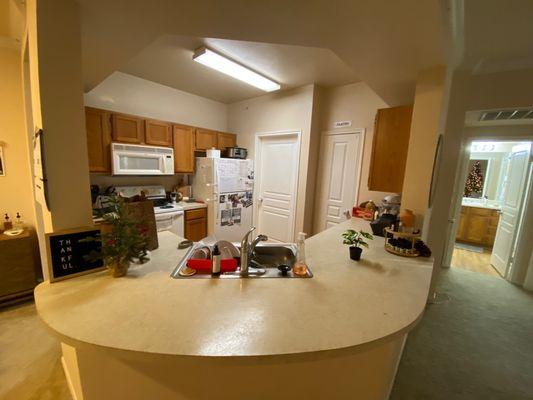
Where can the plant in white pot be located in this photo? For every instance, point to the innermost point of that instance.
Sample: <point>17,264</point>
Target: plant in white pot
<point>356,241</point>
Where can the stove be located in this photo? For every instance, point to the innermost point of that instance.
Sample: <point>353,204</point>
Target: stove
<point>155,193</point>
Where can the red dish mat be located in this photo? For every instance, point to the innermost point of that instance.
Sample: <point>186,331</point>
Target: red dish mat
<point>226,265</point>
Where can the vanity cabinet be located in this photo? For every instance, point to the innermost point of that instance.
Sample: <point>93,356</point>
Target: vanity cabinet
<point>205,139</point>
<point>98,127</point>
<point>183,137</point>
<point>196,224</point>
<point>392,128</point>
<point>20,266</point>
<point>477,225</point>
<point>127,128</point>
<point>158,133</point>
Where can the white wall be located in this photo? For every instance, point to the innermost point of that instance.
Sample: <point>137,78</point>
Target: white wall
<point>357,103</point>
<point>131,95</point>
<point>16,186</point>
<point>282,111</point>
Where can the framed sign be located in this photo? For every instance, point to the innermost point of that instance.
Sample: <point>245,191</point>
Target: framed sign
<point>67,253</point>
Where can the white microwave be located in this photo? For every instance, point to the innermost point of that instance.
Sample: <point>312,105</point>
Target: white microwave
<point>132,159</point>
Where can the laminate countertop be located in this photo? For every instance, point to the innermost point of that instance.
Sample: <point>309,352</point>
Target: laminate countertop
<point>191,206</point>
<point>346,304</point>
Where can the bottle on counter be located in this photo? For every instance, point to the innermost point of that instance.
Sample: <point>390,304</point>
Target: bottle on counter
<point>215,257</point>
<point>300,266</point>
<point>7,223</point>
<point>19,223</point>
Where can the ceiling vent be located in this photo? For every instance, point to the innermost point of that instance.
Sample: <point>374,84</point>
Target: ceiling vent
<point>506,115</point>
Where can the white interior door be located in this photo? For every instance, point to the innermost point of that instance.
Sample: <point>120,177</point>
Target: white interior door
<point>513,197</point>
<point>339,167</point>
<point>277,158</point>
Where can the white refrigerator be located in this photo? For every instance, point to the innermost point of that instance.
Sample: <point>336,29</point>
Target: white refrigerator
<point>226,186</point>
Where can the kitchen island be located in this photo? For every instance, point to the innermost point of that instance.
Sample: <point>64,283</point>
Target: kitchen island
<point>337,335</point>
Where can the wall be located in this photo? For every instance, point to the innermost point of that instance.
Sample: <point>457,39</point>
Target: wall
<point>423,141</point>
<point>287,110</point>
<point>357,103</point>
<point>131,95</point>
<point>16,187</point>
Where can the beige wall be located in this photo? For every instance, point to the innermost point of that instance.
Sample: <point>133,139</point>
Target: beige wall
<point>422,141</point>
<point>357,103</point>
<point>132,95</point>
<point>16,187</point>
<point>283,111</point>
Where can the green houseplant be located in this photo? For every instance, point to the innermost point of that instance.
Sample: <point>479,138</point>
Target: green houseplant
<point>123,239</point>
<point>356,241</point>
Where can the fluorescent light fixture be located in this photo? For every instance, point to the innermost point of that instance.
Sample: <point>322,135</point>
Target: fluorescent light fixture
<point>222,64</point>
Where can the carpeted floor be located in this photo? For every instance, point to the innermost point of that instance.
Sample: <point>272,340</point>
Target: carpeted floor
<point>477,346</point>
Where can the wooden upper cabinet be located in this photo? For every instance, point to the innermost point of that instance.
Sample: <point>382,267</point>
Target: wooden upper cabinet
<point>389,149</point>
<point>127,128</point>
<point>183,149</point>
<point>158,133</point>
<point>226,140</point>
<point>97,123</point>
<point>205,139</point>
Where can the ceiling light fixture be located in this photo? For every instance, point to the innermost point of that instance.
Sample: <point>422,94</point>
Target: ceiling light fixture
<point>222,64</point>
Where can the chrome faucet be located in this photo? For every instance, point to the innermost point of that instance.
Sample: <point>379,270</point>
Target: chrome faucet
<point>248,248</point>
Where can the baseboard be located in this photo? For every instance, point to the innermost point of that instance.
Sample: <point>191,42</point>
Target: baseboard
<point>69,381</point>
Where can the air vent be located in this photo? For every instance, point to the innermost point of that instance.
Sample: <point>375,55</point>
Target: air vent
<point>503,115</point>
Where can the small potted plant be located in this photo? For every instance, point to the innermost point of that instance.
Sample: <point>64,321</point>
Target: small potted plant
<point>356,240</point>
<point>123,240</point>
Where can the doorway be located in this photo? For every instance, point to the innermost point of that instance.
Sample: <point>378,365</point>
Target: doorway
<point>276,167</point>
<point>492,206</point>
<point>338,177</point>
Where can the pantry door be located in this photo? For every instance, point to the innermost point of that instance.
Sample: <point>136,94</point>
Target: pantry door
<point>513,199</point>
<point>276,170</point>
<point>338,177</point>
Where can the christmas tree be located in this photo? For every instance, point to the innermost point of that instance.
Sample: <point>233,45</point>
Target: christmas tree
<point>474,181</point>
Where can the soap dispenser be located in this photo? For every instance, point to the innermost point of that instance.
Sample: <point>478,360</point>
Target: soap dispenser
<point>300,266</point>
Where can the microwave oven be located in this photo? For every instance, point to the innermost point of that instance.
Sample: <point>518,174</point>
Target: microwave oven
<point>132,159</point>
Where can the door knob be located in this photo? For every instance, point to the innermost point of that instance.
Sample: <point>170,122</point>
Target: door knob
<point>260,199</point>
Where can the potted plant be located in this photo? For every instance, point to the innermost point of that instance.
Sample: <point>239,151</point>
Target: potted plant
<point>123,239</point>
<point>356,240</point>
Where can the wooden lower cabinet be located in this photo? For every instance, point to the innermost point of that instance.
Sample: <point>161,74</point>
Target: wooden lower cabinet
<point>196,224</point>
<point>98,126</point>
<point>20,266</point>
<point>183,137</point>
<point>477,225</point>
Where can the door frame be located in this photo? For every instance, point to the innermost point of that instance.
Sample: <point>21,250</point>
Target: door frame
<point>358,166</point>
<point>257,172</point>
<point>460,181</point>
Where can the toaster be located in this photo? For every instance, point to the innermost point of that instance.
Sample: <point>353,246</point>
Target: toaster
<point>236,152</point>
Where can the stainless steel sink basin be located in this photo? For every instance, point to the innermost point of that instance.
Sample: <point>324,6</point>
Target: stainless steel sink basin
<point>265,261</point>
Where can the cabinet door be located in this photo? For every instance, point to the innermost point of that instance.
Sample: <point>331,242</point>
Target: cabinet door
<point>226,140</point>
<point>205,139</point>
<point>98,139</point>
<point>477,228</point>
<point>127,128</point>
<point>196,229</point>
<point>462,224</point>
<point>183,149</point>
<point>389,149</point>
<point>158,133</point>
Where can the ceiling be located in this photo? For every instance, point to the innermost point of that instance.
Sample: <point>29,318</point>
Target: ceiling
<point>384,43</point>
<point>168,61</point>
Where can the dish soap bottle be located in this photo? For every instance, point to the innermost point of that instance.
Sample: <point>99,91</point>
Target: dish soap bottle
<point>300,266</point>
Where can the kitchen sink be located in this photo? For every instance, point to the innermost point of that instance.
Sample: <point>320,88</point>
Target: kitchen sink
<point>264,263</point>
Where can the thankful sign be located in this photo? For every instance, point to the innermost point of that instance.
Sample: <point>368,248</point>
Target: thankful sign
<point>71,254</point>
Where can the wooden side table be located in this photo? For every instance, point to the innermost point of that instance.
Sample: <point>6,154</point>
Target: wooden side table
<point>19,267</point>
